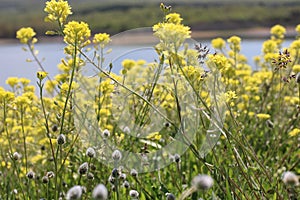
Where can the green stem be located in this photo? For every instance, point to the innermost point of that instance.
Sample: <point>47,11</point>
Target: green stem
<point>48,131</point>
<point>24,137</point>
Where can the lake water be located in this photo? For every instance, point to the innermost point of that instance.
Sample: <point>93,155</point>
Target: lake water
<point>13,58</point>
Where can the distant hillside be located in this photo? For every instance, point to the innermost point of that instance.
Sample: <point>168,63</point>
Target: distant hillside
<point>119,15</point>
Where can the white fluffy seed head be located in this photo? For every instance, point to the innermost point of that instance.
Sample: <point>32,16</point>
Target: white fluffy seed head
<point>90,152</point>
<point>202,182</point>
<point>117,155</point>
<point>133,173</point>
<point>83,168</point>
<point>74,193</point>
<point>100,192</point>
<point>61,139</point>
<point>106,133</point>
<point>134,194</point>
<point>170,196</point>
<point>290,178</point>
<point>16,156</point>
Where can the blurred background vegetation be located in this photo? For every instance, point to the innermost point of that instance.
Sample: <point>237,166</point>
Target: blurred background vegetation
<point>117,15</point>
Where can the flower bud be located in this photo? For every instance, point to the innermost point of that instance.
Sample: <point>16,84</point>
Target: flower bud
<point>100,192</point>
<point>90,152</point>
<point>202,182</point>
<point>133,194</point>
<point>290,178</point>
<point>74,193</point>
<point>61,139</point>
<point>16,156</point>
<point>117,155</point>
<point>298,78</point>
<point>30,175</point>
<point>83,168</point>
<point>133,173</point>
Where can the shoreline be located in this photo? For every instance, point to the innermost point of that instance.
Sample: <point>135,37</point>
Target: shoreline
<point>142,37</point>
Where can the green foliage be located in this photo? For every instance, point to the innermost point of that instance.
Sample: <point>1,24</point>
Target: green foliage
<point>46,139</point>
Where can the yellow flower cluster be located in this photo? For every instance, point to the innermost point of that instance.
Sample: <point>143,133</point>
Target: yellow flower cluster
<point>234,43</point>
<point>57,11</point>
<point>76,33</point>
<point>218,43</point>
<point>263,116</point>
<point>230,95</point>
<point>101,39</point>
<point>294,132</point>
<point>173,18</point>
<point>277,33</point>
<point>221,62</point>
<point>171,35</point>
<point>26,35</point>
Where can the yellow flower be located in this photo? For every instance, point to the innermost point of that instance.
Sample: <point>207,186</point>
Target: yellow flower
<point>295,45</point>
<point>298,29</point>
<point>24,81</point>
<point>294,132</point>
<point>171,35</point>
<point>230,95</point>
<point>41,75</point>
<point>269,46</point>
<point>218,43</point>
<point>57,11</point>
<point>36,158</point>
<point>22,100</point>
<point>234,43</point>
<point>50,85</point>
<point>263,116</point>
<point>127,64</point>
<point>106,87</point>
<point>26,35</point>
<point>220,61</point>
<point>65,87</point>
<point>12,81</point>
<point>173,18</point>
<point>6,95</point>
<point>296,68</point>
<point>154,136</point>
<point>101,39</point>
<point>76,33</point>
<point>278,31</point>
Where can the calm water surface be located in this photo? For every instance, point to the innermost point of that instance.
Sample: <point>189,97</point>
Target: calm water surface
<point>13,58</point>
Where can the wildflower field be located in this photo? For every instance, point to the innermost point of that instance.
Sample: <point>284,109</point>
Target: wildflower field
<point>196,123</point>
